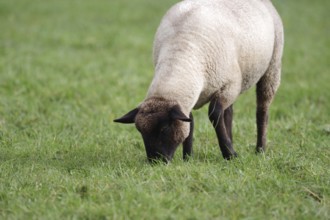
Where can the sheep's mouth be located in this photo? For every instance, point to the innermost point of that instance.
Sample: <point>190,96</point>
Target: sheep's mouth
<point>158,157</point>
<point>157,160</point>
<point>159,151</point>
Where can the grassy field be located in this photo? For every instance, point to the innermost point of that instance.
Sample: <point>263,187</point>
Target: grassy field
<point>68,68</point>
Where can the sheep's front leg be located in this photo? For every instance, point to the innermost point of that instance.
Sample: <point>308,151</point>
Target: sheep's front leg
<point>217,118</point>
<point>187,144</point>
<point>228,114</point>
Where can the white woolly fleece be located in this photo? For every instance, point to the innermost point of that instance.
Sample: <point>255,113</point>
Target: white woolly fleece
<point>206,48</point>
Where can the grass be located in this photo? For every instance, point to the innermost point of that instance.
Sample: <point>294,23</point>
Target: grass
<point>68,68</point>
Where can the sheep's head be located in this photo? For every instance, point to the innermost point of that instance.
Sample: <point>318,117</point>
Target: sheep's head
<point>163,127</point>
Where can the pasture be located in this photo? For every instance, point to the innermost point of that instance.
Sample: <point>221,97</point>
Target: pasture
<point>68,68</point>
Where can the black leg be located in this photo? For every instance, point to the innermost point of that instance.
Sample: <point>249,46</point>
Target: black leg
<point>229,121</point>
<point>265,94</point>
<point>188,143</point>
<point>216,116</point>
<point>262,122</point>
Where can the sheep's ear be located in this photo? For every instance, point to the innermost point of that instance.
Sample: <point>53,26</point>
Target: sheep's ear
<point>129,118</point>
<point>177,114</point>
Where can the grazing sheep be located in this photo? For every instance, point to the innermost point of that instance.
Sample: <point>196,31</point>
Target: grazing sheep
<point>209,51</point>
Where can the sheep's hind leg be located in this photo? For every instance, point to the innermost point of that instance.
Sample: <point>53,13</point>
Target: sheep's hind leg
<point>266,89</point>
<point>217,118</point>
<point>188,143</point>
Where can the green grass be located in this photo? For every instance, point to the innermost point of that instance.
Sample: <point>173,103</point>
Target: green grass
<point>68,68</point>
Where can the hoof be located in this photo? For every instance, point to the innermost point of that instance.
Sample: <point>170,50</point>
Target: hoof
<point>260,150</point>
<point>186,157</point>
<point>230,155</point>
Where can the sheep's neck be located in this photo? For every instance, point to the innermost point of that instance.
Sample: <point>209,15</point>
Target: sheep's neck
<point>178,80</point>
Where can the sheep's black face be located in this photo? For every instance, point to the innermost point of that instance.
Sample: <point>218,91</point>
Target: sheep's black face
<point>162,125</point>
<point>161,134</point>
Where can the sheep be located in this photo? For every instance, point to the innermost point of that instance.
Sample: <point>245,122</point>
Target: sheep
<point>209,51</point>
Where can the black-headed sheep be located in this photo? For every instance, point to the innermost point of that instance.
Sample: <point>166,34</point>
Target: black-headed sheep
<point>209,51</point>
